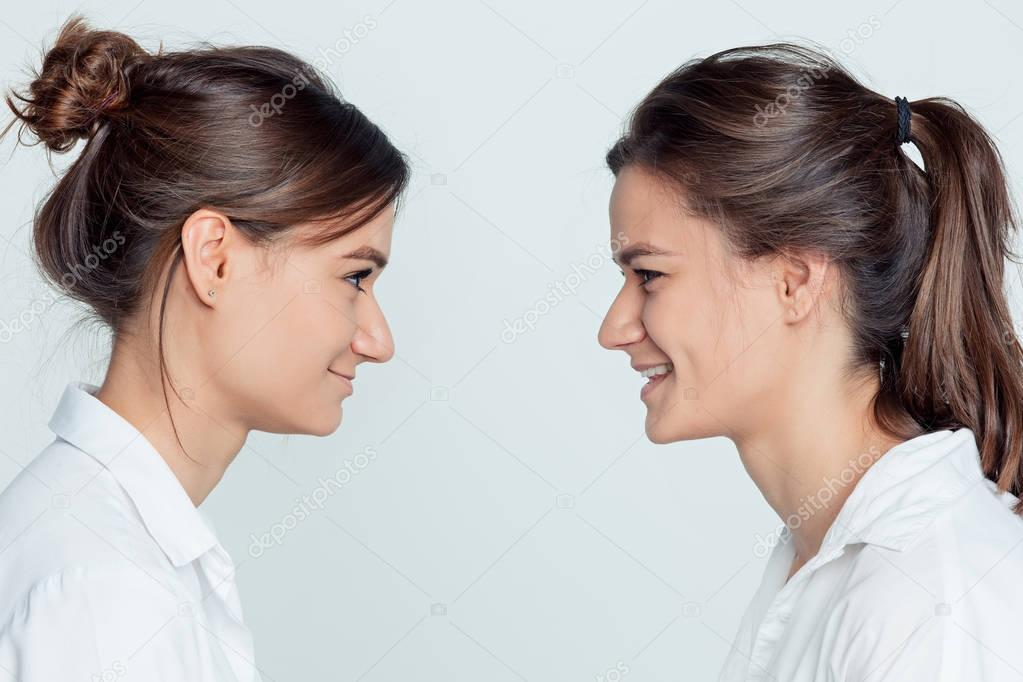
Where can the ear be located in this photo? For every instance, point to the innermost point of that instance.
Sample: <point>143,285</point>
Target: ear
<point>207,240</point>
<point>801,283</point>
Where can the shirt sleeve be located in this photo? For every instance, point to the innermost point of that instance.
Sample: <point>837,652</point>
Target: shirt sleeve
<point>108,622</point>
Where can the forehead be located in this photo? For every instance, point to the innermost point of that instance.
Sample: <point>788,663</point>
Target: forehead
<point>376,233</point>
<point>645,209</point>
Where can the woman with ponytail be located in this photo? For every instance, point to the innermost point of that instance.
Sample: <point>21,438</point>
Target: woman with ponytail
<point>796,283</point>
<point>227,218</point>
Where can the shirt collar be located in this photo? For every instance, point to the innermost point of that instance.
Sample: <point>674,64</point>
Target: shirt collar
<point>166,510</point>
<point>900,494</point>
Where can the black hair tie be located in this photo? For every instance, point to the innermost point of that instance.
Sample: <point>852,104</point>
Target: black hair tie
<point>904,114</point>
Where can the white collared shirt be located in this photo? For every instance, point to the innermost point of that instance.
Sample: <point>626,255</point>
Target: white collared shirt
<point>107,569</point>
<point>920,577</point>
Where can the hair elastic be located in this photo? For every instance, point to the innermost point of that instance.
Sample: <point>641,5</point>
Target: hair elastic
<point>903,135</point>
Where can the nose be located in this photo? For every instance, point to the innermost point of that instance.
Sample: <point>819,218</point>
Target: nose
<point>622,325</point>
<point>372,338</point>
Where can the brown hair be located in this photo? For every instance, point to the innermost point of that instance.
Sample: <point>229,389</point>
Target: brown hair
<point>786,151</point>
<point>253,132</point>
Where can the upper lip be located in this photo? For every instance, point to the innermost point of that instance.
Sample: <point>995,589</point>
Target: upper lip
<point>646,366</point>
<point>350,377</point>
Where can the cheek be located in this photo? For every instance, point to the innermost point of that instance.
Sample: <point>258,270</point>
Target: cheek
<point>748,358</point>
<point>284,344</point>
<point>700,332</point>
<point>312,332</point>
<point>677,322</point>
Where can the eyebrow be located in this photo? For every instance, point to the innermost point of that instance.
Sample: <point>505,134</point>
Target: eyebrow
<point>368,253</point>
<point>626,256</point>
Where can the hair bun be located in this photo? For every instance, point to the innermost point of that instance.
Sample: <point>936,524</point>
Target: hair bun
<point>82,79</point>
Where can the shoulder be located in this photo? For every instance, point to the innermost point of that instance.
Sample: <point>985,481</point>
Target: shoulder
<point>972,549</point>
<point>94,590</point>
<point>946,602</point>
<point>63,514</point>
<point>102,614</point>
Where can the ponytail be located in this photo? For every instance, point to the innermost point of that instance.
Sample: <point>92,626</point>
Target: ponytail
<point>962,363</point>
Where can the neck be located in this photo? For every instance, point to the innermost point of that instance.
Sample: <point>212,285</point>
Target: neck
<point>208,440</point>
<point>806,467</point>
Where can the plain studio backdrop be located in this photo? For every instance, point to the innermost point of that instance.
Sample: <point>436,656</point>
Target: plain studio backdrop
<point>490,508</point>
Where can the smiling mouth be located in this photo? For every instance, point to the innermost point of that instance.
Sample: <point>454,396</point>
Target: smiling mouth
<point>657,370</point>
<point>345,380</point>
<point>654,376</point>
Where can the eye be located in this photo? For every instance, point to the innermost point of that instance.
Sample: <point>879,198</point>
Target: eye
<point>358,277</point>
<point>647,276</point>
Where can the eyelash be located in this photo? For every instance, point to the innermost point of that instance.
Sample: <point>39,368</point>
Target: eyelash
<point>361,275</point>
<point>652,273</point>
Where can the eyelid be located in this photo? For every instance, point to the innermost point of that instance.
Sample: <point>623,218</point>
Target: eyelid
<point>640,272</point>
<point>360,275</point>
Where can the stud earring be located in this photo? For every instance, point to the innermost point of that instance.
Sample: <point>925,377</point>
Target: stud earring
<point>211,293</point>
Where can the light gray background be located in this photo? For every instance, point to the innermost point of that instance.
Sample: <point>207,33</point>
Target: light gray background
<point>516,524</point>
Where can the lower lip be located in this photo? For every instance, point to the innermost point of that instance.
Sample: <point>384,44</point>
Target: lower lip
<point>652,383</point>
<point>345,381</point>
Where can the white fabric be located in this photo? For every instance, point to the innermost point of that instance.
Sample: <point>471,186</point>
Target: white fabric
<point>107,569</point>
<point>920,577</point>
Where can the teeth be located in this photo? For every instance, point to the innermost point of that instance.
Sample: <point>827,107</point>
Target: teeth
<point>654,371</point>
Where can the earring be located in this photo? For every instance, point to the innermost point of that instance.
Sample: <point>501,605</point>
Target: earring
<point>211,293</point>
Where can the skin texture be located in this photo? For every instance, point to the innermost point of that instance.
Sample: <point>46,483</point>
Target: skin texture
<point>757,349</point>
<point>258,354</point>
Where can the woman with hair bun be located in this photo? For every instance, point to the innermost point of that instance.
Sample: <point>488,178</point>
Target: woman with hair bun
<point>796,283</point>
<point>227,218</point>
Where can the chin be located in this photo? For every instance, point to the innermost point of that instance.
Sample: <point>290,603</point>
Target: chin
<point>659,439</point>
<point>658,432</point>
<point>324,427</point>
<point>675,425</point>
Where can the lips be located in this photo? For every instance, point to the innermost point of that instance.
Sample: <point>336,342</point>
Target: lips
<point>654,374</point>
<point>345,380</point>
<point>350,377</point>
